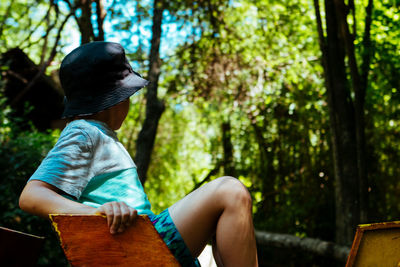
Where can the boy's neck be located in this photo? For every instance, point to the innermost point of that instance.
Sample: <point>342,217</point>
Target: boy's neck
<point>102,116</point>
<point>113,116</point>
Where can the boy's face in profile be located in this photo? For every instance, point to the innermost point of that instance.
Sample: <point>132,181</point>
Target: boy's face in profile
<point>119,113</point>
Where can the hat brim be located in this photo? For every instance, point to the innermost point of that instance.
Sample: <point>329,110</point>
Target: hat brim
<point>94,104</point>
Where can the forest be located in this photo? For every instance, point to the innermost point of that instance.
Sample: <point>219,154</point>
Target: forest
<point>298,99</point>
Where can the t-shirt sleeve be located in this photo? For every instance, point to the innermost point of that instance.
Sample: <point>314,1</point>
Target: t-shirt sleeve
<point>68,165</point>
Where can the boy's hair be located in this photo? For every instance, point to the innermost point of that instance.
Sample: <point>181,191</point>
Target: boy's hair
<point>97,76</point>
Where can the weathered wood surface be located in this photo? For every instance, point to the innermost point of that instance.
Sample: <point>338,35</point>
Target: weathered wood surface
<point>86,241</point>
<point>19,249</point>
<point>376,244</point>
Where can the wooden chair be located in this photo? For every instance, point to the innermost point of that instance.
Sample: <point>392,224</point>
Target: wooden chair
<point>19,249</point>
<point>376,244</point>
<point>86,241</point>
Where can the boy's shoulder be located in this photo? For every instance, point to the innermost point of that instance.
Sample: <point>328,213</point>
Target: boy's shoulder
<point>89,127</point>
<point>88,132</point>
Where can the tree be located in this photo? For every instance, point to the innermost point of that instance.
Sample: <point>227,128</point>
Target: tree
<point>346,115</point>
<point>89,31</point>
<point>240,91</point>
<point>154,106</point>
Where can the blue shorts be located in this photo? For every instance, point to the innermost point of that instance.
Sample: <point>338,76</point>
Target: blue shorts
<point>168,232</point>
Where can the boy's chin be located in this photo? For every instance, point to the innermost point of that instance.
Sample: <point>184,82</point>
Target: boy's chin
<point>116,128</point>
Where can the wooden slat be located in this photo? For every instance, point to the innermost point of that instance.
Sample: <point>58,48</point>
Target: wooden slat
<point>376,244</point>
<point>19,249</point>
<point>86,241</point>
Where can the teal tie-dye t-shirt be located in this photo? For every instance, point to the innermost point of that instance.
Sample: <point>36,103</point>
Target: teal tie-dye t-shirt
<point>91,166</point>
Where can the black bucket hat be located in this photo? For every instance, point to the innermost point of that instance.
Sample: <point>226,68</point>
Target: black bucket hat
<point>97,76</point>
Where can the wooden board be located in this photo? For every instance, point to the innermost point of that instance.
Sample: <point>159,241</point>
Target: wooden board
<point>376,245</point>
<point>19,249</point>
<point>86,241</point>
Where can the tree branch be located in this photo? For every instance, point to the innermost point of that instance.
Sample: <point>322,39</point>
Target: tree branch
<point>101,14</point>
<point>45,17</point>
<point>348,39</point>
<point>352,8</point>
<point>45,65</point>
<point>18,76</point>
<point>309,245</point>
<point>213,19</point>
<point>321,35</point>
<point>84,21</point>
<point>366,57</point>
<point>49,29</point>
<point>209,175</point>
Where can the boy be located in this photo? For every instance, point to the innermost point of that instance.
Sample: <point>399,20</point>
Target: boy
<point>88,171</point>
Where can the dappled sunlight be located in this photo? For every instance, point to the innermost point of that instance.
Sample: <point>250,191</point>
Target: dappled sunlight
<point>304,112</point>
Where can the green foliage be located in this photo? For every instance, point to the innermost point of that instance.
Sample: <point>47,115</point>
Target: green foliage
<point>252,64</point>
<point>382,104</point>
<point>261,73</point>
<point>32,25</point>
<point>181,155</point>
<point>21,153</point>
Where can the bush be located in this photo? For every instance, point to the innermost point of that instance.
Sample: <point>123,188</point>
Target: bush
<point>20,154</point>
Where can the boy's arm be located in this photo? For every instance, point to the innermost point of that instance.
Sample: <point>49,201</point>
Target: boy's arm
<point>42,199</point>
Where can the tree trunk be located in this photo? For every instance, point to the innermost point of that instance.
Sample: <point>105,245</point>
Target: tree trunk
<point>267,172</point>
<point>229,166</point>
<point>84,22</point>
<point>154,106</point>
<point>359,81</point>
<point>100,14</point>
<point>342,125</point>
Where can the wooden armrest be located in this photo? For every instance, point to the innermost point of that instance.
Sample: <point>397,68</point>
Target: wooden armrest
<point>376,244</point>
<point>86,241</point>
<point>19,249</point>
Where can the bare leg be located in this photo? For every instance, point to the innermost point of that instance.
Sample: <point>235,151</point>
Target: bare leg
<point>217,257</point>
<point>221,208</point>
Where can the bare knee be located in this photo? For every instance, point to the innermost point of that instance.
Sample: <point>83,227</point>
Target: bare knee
<point>233,194</point>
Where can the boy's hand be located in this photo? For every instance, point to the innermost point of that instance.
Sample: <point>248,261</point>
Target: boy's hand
<point>119,215</point>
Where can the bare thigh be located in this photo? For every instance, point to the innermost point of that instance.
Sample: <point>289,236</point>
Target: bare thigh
<point>196,215</point>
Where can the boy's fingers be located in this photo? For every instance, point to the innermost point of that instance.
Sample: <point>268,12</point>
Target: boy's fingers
<point>109,212</point>
<point>119,215</point>
<point>116,224</point>
<point>126,214</point>
<point>133,215</point>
